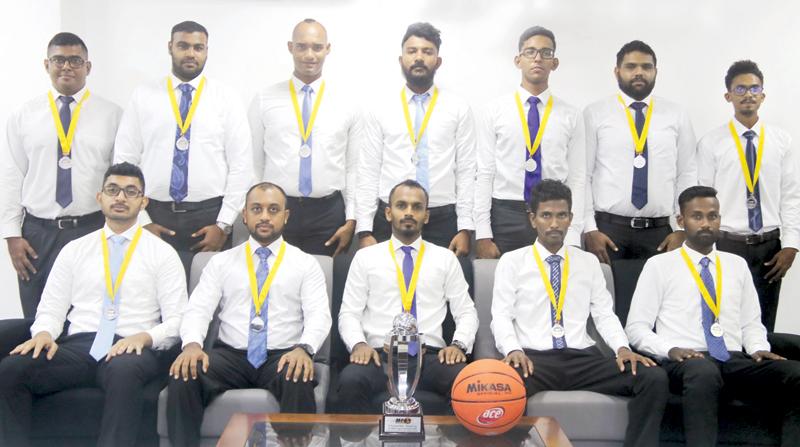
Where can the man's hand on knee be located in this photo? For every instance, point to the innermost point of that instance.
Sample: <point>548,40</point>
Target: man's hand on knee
<point>41,341</point>
<point>363,353</point>
<point>186,364</point>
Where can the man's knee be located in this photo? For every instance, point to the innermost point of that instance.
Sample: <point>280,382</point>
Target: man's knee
<point>702,375</point>
<point>14,369</point>
<point>129,370</point>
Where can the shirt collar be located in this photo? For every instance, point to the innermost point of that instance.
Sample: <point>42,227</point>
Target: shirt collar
<point>177,82</point>
<point>741,128</point>
<point>696,256</point>
<point>274,247</point>
<point>410,93</point>
<point>298,84</point>
<point>78,95</point>
<point>524,95</point>
<point>127,234</point>
<point>398,244</point>
<point>628,100</point>
<point>544,253</point>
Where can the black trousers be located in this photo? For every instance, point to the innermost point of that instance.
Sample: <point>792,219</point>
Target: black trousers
<point>312,221</point>
<point>699,381</point>
<point>756,255</point>
<point>47,239</point>
<point>633,243</point>
<point>359,384</point>
<point>511,228</point>
<point>229,369</point>
<point>122,379</point>
<point>588,370</point>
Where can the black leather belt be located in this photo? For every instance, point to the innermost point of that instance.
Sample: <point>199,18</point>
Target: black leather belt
<point>182,207</point>
<point>315,200</point>
<point>65,222</point>
<point>753,239</point>
<point>638,223</point>
<point>514,205</point>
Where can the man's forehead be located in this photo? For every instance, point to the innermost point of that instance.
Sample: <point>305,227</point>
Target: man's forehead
<point>310,32</point>
<point>191,38</point>
<point>122,180</point>
<point>67,50</point>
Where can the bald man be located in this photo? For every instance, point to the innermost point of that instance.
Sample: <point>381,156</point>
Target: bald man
<point>304,135</point>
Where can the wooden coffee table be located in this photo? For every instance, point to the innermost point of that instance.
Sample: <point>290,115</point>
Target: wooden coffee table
<point>331,429</point>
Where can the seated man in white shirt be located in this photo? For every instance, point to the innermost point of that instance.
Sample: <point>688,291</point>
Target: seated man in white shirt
<point>121,321</point>
<point>373,296</point>
<point>538,322</point>
<point>274,316</point>
<point>680,316</point>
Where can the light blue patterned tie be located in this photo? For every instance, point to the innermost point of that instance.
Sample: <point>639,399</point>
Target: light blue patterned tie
<point>257,340</point>
<point>305,162</point>
<point>179,180</point>
<point>108,327</point>
<point>422,145</point>
<point>555,281</point>
<point>408,272</point>
<point>716,345</point>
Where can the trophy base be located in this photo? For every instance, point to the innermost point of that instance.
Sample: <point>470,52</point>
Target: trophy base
<point>401,427</point>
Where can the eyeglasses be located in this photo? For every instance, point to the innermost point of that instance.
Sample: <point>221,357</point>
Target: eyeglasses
<point>741,90</point>
<point>131,192</point>
<point>546,53</point>
<point>74,61</point>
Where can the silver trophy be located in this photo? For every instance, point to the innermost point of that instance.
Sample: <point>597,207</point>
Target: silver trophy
<point>402,414</point>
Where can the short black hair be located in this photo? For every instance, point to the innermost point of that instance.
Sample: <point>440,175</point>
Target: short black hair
<point>424,30</point>
<point>124,169</point>
<point>188,26</point>
<point>67,40</point>
<point>547,190</point>
<point>635,45</point>
<point>536,31</point>
<point>264,186</point>
<point>740,68</point>
<point>694,192</point>
<point>410,184</point>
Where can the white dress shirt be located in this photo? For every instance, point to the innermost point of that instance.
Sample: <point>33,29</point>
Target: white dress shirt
<point>372,297</point>
<point>277,141</point>
<point>521,306</point>
<point>297,303</point>
<point>719,166</point>
<point>385,158</point>
<point>220,145</point>
<point>152,296</point>
<point>501,157</point>
<point>668,299</point>
<point>671,161</point>
<point>28,174</point>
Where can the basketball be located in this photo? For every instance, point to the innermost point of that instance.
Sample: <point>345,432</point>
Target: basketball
<point>488,397</point>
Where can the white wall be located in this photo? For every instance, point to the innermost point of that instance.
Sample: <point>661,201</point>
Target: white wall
<point>695,43</point>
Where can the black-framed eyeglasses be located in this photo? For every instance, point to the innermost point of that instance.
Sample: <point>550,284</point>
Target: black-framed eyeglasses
<point>741,90</point>
<point>131,192</point>
<point>73,61</point>
<point>546,53</point>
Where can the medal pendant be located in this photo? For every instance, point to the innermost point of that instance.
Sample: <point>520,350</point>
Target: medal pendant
<point>182,143</point>
<point>752,202</point>
<point>65,163</point>
<point>111,313</point>
<point>530,165</point>
<point>639,162</point>
<point>415,159</point>
<point>716,330</point>
<point>305,151</point>
<point>256,324</point>
<point>557,330</point>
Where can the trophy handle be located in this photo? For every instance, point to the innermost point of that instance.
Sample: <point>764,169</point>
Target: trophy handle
<point>420,353</point>
<point>389,365</point>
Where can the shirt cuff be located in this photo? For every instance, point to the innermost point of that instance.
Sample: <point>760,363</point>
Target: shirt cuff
<point>11,230</point>
<point>465,223</point>
<point>363,224</point>
<point>226,216</point>
<point>193,338</point>
<point>484,231</point>
<point>790,241</point>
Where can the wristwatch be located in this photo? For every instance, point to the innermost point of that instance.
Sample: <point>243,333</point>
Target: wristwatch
<point>459,345</point>
<point>306,347</point>
<point>227,229</point>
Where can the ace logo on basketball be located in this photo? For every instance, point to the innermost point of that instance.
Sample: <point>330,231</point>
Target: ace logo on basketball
<point>490,415</point>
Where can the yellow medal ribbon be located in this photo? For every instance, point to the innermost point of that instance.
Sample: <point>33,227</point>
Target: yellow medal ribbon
<point>638,140</point>
<point>415,138</point>
<point>558,306</point>
<point>184,125</point>
<point>305,132</point>
<point>407,295</point>
<point>113,288</point>
<point>751,179</point>
<point>532,148</point>
<point>260,297</point>
<point>714,306</point>
<point>65,138</point>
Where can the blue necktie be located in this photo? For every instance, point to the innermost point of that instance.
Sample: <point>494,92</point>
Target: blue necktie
<point>716,345</point>
<point>64,176</point>
<point>108,327</point>
<point>753,215</point>
<point>408,271</point>
<point>555,281</point>
<point>533,178</point>
<point>639,189</point>
<point>305,162</point>
<point>422,145</point>
<point>257,340</point>
<point>179,180</point>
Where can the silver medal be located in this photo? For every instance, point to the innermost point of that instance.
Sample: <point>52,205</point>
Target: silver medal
<point>305,151</point>
<point>256,324</point>
<point>716,330</point>
<point>415,159</point>
<point>752,202</point>
<point>557,330</point>
<point>182,143</point>
<point>65,163</point>
<point>639,161</point>
<point>111,313</point>
<point>530,165</point>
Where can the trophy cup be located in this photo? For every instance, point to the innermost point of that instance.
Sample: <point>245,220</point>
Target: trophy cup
<point>402,415</point>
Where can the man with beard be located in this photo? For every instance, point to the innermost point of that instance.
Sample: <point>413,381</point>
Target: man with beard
<point>752,167</point>
<point>640,152</point>
<point>524,138</point>
<point>540,323</point>
<point>378,289</point>
<point>190,136</point>
<point>695,309</point>
<point>274,316</point>
<point>122,291</point>
<point>47,197</point>
<point>304,140</point>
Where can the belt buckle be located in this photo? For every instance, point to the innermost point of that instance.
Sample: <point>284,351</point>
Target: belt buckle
<point>175,210</point>
<point>639,223</point>
<point>752,239</point>
<point>73,220</point>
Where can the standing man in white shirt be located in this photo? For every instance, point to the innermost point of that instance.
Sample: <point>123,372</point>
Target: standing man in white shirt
<point>752,166</point>
<point>640,154</point>
<point>540,323</point>
<point>374,295</point>
<point>121,322</point>
<point>695,309</point>
<point>58,145</point>
<point>524,138</point>
<point>304,139</point>
<point>190,136</point>
<point>274,316</point>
